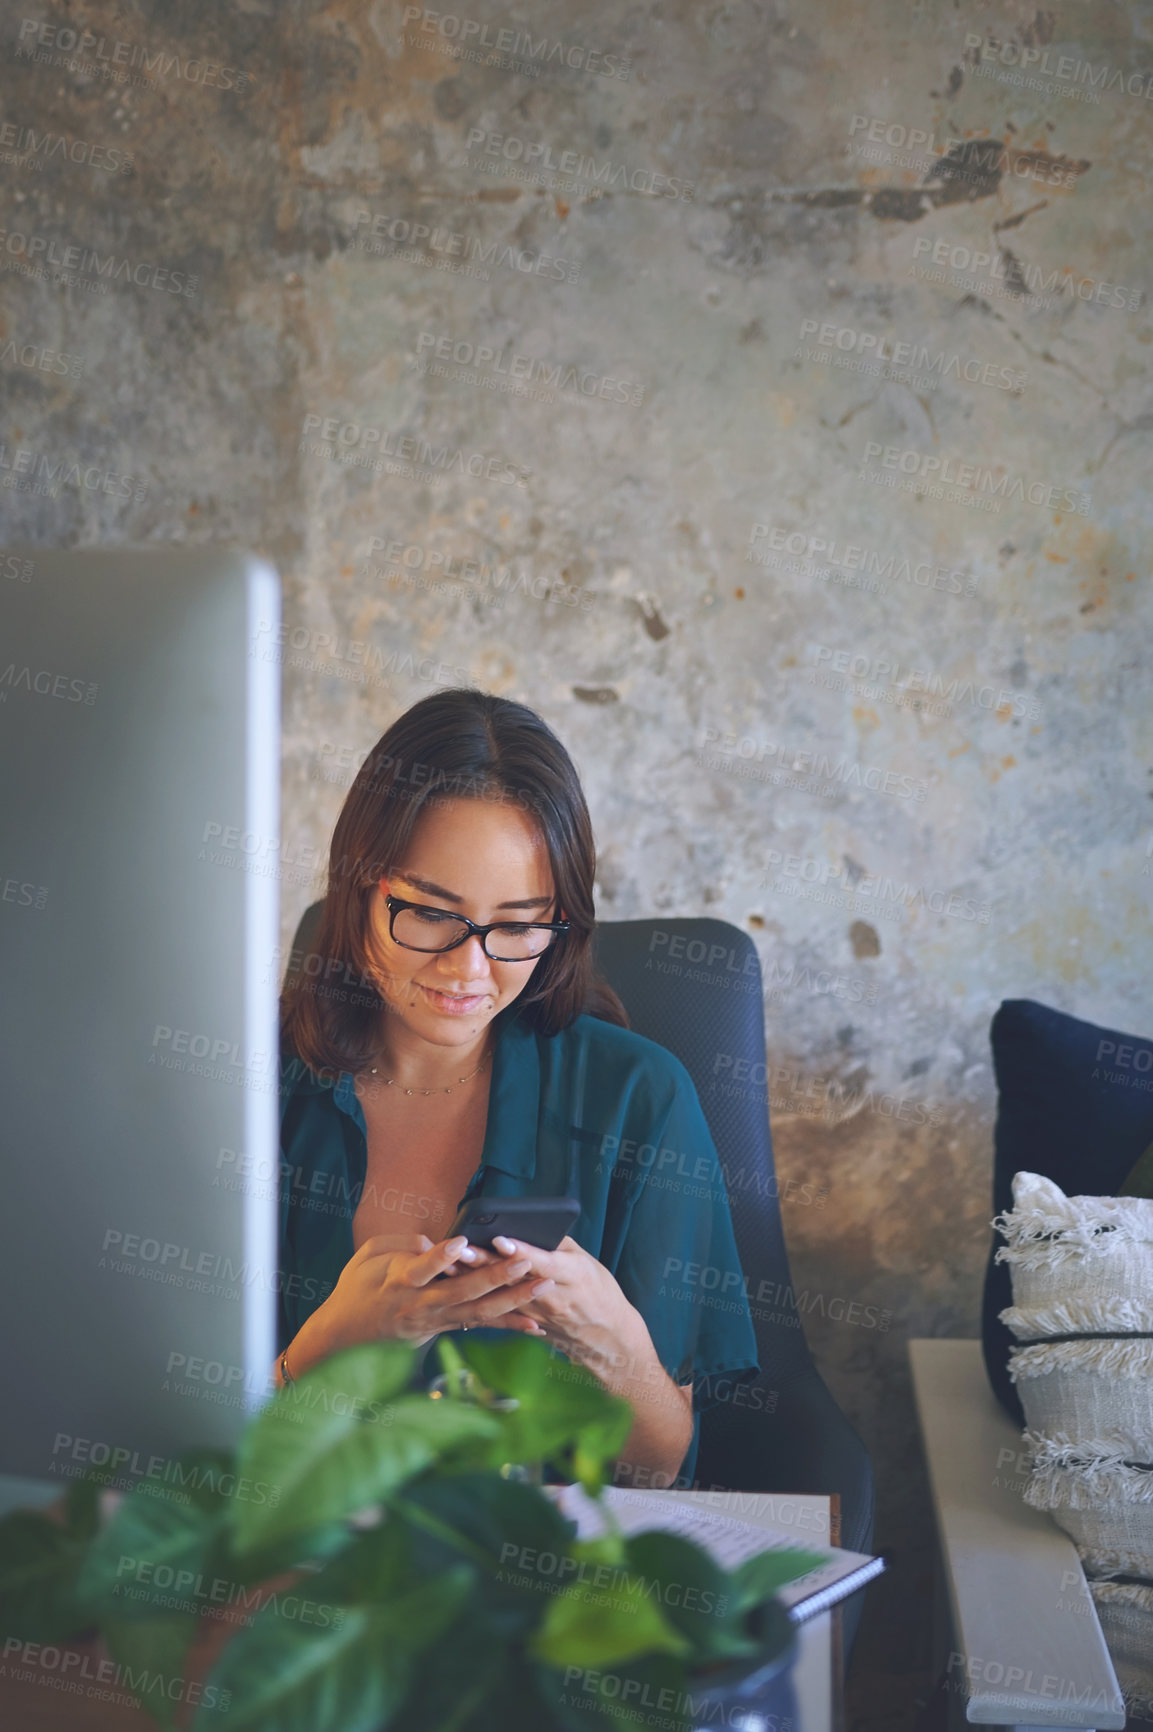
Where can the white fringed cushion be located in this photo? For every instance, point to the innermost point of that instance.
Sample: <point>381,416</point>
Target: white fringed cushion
<point>1095,1492</point>
<point>1079,1264</point>
<point>1082,1267</point>
<point>1089,1389</point>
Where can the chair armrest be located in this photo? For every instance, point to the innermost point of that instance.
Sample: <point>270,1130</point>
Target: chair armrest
<point>1029,1648</point>
<point>802,1443</point>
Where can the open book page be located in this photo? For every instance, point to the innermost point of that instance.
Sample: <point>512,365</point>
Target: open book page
<point>729,1540</point>
<point>804,1516</point>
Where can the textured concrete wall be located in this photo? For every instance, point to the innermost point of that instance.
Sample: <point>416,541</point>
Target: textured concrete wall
<point>849,639</point>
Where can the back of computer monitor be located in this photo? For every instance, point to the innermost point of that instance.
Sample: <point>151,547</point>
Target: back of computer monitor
<point>139,813</point>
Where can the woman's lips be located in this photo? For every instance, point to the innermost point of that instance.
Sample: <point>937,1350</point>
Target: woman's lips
<point>452,1004</point>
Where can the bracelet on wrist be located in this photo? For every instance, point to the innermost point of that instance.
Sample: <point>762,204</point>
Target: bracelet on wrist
<point>286,1376</point>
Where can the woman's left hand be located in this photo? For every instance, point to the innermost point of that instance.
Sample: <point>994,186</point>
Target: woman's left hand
<point>582,1309</point>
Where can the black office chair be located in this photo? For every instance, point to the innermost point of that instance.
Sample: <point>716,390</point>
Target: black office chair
<point>792,1437</point>
<point>801,1441</point>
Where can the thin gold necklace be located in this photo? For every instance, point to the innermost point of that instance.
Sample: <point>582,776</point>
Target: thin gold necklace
<point>388,1081</point>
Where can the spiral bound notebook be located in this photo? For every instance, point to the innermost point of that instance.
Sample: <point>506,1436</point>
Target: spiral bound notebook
<point>726,1538</point>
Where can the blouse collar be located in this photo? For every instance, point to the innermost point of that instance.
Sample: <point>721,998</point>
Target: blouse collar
<point>513,1101</point>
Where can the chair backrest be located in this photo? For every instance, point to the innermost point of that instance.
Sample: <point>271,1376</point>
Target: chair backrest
<point>694,986</point>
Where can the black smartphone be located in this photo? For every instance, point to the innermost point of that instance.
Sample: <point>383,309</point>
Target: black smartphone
<point>540,1221</point>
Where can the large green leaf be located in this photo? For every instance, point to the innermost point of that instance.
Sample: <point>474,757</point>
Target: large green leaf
<point>513,1702</point>
<point>150,1560</point>
<point>499,1525</point>
<point>602,1620</point>
<point>348,1388</point>
<point>454,1681</point>
<point>373,1567</point>
<point>501,1517</point>
<point>280,1675</point>
<point>607,1548</point>
<point>311,1546</point>
<point>340,1454</point>
<point>38,1565</point>
<point>761,1576</point>
<point>538,1377</point>
<point>695,1593</point>
<point>564,1413</point>
<point>597,1444</point>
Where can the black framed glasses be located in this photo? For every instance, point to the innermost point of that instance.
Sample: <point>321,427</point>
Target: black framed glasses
<point>418,927</point>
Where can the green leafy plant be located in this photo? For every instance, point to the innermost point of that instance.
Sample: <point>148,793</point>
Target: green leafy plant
<point>380,1567</point>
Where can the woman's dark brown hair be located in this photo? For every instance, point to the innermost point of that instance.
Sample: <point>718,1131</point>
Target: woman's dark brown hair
<point>457,744</point>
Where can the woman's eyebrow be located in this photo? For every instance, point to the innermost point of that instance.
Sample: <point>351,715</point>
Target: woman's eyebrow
<point>431,889</point>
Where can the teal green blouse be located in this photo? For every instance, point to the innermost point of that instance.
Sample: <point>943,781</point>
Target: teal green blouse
<point>596,1112</point>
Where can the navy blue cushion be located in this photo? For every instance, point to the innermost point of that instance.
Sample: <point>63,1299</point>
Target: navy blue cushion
<point>1075,1103</point>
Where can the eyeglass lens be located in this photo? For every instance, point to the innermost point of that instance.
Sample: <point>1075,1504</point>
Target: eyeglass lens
<point>432,929</point>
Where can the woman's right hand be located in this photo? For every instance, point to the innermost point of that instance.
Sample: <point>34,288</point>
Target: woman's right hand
<point>388,1290</point>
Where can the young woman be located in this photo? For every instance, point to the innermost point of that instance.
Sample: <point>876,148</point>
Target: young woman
<point>445,1037</point>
